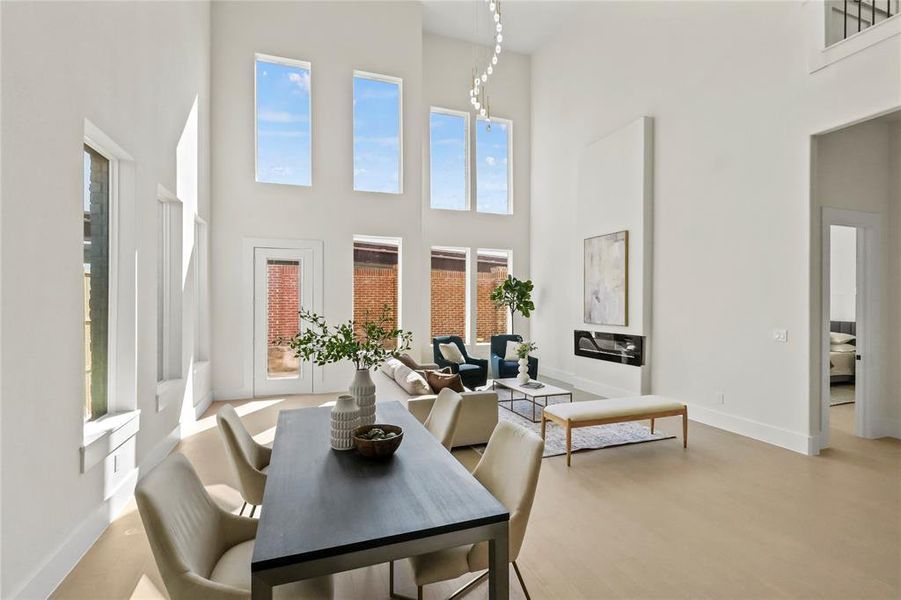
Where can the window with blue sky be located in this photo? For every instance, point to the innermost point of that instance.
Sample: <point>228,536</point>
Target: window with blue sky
<point>449,152</point>
<point>492,174</point>
<point>377,134</point>
<point>283,121</point>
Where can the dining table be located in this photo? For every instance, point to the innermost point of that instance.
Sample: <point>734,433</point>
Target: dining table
<point>326,511</point>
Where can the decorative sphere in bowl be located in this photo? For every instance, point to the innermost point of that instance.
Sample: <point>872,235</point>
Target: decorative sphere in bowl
<point>378,441</point>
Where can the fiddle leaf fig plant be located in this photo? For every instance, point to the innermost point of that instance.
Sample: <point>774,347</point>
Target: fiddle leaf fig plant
<point>516,296</point>
<point>367,344</point>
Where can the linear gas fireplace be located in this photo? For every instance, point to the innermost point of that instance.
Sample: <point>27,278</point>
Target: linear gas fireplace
<point>612,347</point>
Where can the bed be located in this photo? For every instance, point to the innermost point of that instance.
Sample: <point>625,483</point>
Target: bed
<point>842,351</point>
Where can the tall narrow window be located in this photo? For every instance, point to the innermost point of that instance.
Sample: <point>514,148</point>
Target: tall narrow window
<point>449,159</point>
<point>283,121</point>
<point>96,249</point>
<point>493,166</point>
<point>492,267</point>
<point>378,163</point>
<point>201,292</point>
<point>450,297</point>
<point>376,279</point>
<point>169,289</point>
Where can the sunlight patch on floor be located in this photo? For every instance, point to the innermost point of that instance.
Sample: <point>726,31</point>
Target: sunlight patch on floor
<point>243,409</point>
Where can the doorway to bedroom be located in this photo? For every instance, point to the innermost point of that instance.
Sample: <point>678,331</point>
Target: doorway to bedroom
<point>843,354</point>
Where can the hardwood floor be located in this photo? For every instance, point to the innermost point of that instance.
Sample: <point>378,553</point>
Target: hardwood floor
<point>728,518</point>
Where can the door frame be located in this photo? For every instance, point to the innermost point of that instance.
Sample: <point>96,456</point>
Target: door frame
<point>250,246</point>
<point>867,317</point>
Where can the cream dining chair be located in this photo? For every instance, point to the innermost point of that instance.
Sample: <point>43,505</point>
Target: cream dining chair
<point>444,416</point>
<point>509,470</point>
<point>202,550</point>
<point>249,459</point>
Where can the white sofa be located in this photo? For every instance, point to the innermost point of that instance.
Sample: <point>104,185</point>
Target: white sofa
<point>478,416</point>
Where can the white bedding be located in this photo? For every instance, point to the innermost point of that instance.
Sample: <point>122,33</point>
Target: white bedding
<point>841,360</point>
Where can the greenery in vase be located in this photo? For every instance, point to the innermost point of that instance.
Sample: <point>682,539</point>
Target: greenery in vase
<point>367,346</point>
<point>514,295</point>
<point>523,349</point>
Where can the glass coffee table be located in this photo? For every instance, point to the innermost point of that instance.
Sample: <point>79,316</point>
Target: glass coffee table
<point>530,394</point>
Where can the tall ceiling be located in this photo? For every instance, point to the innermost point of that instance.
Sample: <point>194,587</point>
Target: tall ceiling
<point>527,23</point>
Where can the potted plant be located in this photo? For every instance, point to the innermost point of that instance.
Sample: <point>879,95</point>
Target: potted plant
<point>367,345</point>
<point>514,295</point>
<point>522,351</point>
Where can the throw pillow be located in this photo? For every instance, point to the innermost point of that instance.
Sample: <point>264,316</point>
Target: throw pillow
<point>389,367</point>
<point>510,353</point>
<point>451,353</point>
<point>412,382</point>
<point>439,380</point>
<point>408,360</point>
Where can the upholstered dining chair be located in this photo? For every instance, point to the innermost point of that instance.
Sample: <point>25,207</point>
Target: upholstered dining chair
<point>504,369</point>
<point>473,371</point>
<point>444,416</point>
<point>249,459</point>
<point>202,550</point>
<point>509,470</point>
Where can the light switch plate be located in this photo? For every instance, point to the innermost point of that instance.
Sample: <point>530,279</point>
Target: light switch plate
<point>780,335</point>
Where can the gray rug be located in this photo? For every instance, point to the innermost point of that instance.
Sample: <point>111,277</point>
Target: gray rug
<point>585,438</point>
<point>841,393</point>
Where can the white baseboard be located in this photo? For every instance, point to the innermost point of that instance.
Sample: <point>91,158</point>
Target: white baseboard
<point>52,571</point>
<point>601,389</point>
<point>888,427</point>
<point>790,440</point>
<point>203,405</point>
<point>235,394</point>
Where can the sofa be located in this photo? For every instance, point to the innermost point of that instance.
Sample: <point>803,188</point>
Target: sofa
<point>473,372</point>
<point>478,416</point>
<point>505,369</point>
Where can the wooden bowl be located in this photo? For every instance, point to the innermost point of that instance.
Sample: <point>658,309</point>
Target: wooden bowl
<point>378,448</point>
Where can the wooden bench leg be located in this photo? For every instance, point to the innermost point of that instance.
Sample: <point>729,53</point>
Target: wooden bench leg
<point>543,424</point>
<point>685,427</point>
<point>569,444</point>
<point>652,424</point>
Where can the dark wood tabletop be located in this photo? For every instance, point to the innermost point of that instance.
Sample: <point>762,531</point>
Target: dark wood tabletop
<point>321,502</point>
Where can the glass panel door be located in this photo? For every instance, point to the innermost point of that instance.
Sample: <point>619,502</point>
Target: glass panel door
<point>282,286</point>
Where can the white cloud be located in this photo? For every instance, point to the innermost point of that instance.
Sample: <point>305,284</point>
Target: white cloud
<point>490,160</point>
<point>281,116</point>
<point>302,80</point>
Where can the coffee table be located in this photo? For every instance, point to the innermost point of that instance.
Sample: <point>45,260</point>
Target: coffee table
<point>532,395</point>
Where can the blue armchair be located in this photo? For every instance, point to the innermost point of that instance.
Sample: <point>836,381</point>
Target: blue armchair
<point>473,373</point>
<point>504,369</point>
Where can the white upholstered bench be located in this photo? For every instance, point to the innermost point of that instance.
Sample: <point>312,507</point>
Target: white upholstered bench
<point>572,415</point>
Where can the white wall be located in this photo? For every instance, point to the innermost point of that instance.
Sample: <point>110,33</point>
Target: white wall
<point>843,273</point>
<point>135,70</point>
<point>379,37</point>
<point>733,118</point>
<point>855,169</point>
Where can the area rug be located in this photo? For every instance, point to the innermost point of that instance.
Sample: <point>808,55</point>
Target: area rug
<point>585,438</point>
<point>841,394</point>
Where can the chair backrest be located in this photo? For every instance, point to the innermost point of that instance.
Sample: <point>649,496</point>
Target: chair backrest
<point>509,470</point>
<point>447,339</point>
<point>499,343</point>
<point>181,520</point>
<point>444,417</point>
<point>248,458</point>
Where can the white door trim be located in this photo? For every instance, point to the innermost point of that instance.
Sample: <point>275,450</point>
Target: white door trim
<point>247,294</point>
<point>868,371</point>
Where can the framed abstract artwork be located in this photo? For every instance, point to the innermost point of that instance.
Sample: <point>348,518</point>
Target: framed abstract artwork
<point>606,279</point>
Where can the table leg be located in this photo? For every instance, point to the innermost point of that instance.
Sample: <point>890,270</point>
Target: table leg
<point>259,589</point>
<point>499,564</point>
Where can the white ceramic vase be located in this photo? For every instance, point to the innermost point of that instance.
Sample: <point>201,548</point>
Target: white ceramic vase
<point>345,418</point>
<point>363,391</point>
<point>523,376</point>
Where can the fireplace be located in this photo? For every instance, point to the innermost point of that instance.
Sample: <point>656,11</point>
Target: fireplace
<point>612,347</point>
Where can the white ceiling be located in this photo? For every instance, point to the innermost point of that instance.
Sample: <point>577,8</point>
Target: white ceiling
<point>527,23</point>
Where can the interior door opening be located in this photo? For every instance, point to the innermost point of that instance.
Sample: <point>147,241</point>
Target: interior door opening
<point>843,334</point>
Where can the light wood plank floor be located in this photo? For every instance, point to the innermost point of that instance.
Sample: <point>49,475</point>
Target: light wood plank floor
<point>728,518</point>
